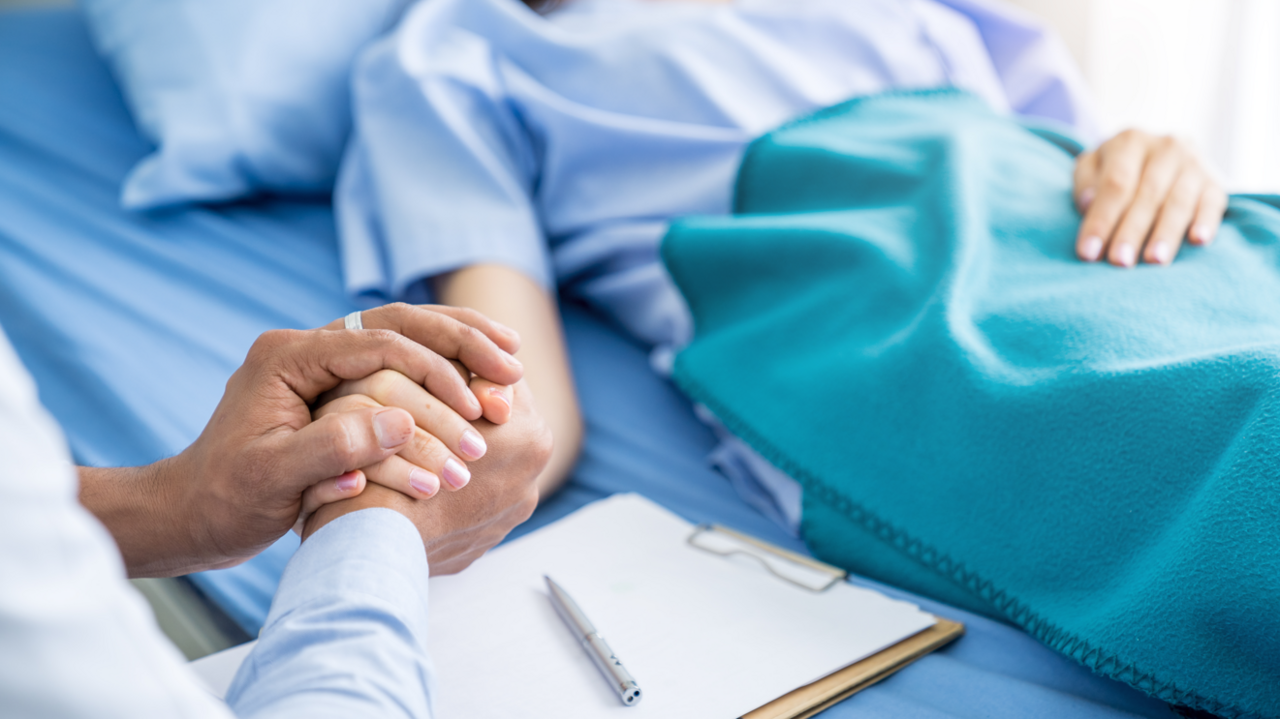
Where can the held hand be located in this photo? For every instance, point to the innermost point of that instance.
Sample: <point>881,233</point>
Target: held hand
<point>239,487</point>
<point>458,527</point>
<point>1141,195</point>
<point>442,444</point>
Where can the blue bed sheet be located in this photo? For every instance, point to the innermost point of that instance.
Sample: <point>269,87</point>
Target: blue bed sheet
<point>131,324</point>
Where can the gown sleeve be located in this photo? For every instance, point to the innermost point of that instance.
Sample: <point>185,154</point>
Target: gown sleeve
<point>441,172</point>
<point>1037,73</point>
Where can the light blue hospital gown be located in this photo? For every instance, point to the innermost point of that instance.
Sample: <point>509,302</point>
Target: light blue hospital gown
<point>562,145</point>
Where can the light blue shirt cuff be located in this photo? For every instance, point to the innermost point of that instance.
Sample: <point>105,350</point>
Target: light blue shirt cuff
<point>346,635</point>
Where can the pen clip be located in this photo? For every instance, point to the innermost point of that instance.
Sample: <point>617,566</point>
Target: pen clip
<point>788,566</point>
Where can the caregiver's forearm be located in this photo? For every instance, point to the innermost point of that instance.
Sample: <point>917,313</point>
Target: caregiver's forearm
<point>510,297</point>
<point>139,509</point>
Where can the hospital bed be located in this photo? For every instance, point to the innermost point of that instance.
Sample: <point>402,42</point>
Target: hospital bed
<point>131,325</point>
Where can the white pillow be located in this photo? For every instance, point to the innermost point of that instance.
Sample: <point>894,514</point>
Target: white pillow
<point>241,96</point>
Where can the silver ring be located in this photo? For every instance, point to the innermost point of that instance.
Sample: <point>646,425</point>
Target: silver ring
<point>353,321</point>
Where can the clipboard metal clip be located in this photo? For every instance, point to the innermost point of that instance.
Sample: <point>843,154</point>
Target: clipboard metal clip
<point>797,569</point>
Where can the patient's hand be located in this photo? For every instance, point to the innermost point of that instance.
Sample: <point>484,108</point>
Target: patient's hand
<point>443,442</point>
<point>458,527</point>
<point>1141,195</point>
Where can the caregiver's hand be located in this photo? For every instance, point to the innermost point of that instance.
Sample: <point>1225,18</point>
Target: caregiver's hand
<point>1141,194</point>
<point>468,341</point>
<point>239,486</point>
<point>458,527</point>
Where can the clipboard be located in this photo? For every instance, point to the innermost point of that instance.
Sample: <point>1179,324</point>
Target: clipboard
<point>711,622</point>
<point>817,576</point>
<point>838,686</point>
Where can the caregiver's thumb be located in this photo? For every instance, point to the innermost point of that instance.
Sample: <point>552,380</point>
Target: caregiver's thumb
<point>344,441</point>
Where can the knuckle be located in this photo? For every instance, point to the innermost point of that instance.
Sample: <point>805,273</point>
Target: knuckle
<point>542,445</point>
<point>469,335</point>
<point>341,442</point>
<point>385,335</point>
<point>383,382</point>
<point>428,448</point>
<point>397,309</point>
<point>1115,182</point>
<point>527,506</point>
<point>268,343</point>
<point>1131,134</point>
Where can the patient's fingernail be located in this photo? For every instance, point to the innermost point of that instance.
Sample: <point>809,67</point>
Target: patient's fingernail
<point>348,482</point>
<point>511,360</point>
<point>456,474</point>
<point>393,427</point>
<point>1160,254</point>
<point>1202,234</point>
<point>472,444</point>
<point>1091,249</point>
<point>1125,255</point>
<point>1086,199</point>
<point>424,481</point>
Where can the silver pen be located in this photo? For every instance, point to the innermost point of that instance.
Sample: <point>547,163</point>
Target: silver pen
<point>617,675</point>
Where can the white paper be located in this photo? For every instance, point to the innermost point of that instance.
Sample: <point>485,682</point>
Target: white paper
<point>704,636</point>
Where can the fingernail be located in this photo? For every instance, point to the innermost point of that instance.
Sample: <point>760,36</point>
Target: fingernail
<point>497,394</point>
<point>1202,234</point>
<point>1091,248</point>
<point>472,444</point>
<point>1125,255</point>
<point>424,481</point>
<point>511,360</point>
<point>391,429</point>
<point>348,482</point>
<point>1160,254</point>
<point>1086,199</point>
<point>503,329</point>
<point>456,474</point>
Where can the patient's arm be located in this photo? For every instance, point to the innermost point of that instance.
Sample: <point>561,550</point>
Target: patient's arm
<point>1140,191</point>
<point>515,300</point>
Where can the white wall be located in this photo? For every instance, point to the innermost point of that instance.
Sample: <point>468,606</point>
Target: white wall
<point>1207,70</point>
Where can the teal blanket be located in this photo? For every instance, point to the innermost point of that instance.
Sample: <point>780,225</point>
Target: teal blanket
<point>895,317</point>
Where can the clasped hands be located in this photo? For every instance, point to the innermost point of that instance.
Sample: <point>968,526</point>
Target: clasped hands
<point>403,414</point>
